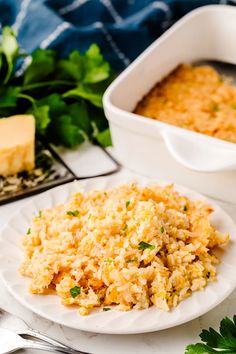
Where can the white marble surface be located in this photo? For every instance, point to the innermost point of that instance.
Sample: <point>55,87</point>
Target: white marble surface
<point>171,341</point>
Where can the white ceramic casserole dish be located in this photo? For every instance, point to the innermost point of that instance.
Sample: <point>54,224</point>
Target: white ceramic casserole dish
<point>161,150</point>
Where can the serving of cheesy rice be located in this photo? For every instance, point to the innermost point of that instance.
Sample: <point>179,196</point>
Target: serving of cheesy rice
<point>195,98</point>
<point>129,247</point>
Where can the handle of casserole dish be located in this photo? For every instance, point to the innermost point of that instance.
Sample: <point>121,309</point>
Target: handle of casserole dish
<point>199,156</point>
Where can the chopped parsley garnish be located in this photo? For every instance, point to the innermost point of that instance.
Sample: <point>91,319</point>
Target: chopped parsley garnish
<point>162,229</point>
<point>108,260</point>
<point>75,291</point>
<point>215,107</point>
<point>106,309</point>
<point>131,260</point>
<point>40,214</point>
<point>28,231</point>
<point>223,341</point>
<point>125,227</point>
<point>72,213</point>
<point>127,203</point>
<point>185,208</point>
<point>143,246</point>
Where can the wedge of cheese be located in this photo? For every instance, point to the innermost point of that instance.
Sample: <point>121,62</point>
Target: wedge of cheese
<point>17,138</point>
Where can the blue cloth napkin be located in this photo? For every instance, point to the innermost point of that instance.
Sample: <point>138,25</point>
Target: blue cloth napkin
<point>122,28</point>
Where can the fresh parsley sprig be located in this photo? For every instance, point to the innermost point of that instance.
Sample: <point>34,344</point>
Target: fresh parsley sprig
<point>63,94</point>
<point>221,342</point>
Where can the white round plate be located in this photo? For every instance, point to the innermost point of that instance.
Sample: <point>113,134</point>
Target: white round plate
<point>113,322</point>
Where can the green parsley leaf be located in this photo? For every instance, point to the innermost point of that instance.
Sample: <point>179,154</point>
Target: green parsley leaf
<point>200,348</point>
<point>228,332</point>
<point>66,133</point>
<point>215,107</point>
<point>143,246</point>
<point>97,74</point>
<point>225,339</point>
<point>73,213</point>
<point>93,53</point>
<point>127,203</point>
<point>106,309</point>
<point>131,260</point>
<point>71,68</point>
<point>41,114</point>
<point>104,138</point>
<point>87,92</point>
<point>28,231</point>
<point>162,229</point>
<point>125,228</point>
<point>108,260</point>
<point>233,105</point>
<point>56,103</point>
<point>96,68</point>
<point>67,124</point>
<point>75,291</point>
<point>8,96</point>
<point>79,116</point>
<point>40,214</point>
<point>42,65</point>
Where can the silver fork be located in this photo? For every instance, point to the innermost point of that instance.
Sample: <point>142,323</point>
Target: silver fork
<point>22,329</point>
<point>11,342</point>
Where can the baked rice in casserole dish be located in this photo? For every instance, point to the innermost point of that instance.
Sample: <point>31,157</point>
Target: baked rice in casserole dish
<point>195,98</point>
